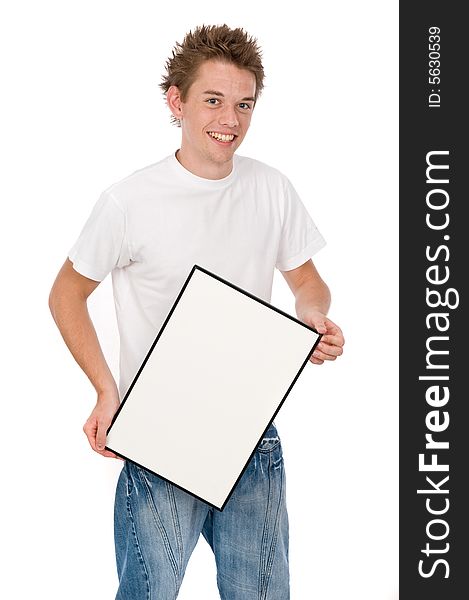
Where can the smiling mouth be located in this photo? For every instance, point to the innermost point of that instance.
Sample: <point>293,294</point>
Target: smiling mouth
<point>222,138</point>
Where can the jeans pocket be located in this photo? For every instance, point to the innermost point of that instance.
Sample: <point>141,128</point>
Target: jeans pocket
<point>129,480</point>
<point>270,440</point>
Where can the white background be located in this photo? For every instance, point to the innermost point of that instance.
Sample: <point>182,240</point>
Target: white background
<point>81,109</point>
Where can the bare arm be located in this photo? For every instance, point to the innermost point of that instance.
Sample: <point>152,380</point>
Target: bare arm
<point>309,289</point>
<point>312,301</point>
<point>68,305</point>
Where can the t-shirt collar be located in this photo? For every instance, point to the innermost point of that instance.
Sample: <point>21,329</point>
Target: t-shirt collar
<point>202,181</point>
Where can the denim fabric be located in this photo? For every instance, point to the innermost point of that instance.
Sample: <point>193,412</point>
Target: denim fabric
<point>157,526</point>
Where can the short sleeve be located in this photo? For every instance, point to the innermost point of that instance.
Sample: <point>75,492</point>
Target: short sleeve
<point>102,244</point>
<point>300,238</point>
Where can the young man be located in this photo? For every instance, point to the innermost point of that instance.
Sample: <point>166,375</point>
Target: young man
<point>240,219</point>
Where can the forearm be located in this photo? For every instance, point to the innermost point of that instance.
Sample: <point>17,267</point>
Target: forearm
<point>312,295</point>
<point>71,316</point>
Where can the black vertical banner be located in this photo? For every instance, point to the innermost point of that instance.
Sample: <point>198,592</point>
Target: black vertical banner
<point>434,338</point>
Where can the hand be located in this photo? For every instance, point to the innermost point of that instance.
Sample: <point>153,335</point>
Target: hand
<point>98,422</point>
<point>332,341</point>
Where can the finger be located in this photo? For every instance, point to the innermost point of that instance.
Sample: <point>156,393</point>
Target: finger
<point>110,454</point>
<point>90,428</point>
<point>323,356</point>
<point>316,361</point>
<point>330,350</point>
<point>333,340</point>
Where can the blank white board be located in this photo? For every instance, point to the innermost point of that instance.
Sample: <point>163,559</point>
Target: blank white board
<point>216,375</point>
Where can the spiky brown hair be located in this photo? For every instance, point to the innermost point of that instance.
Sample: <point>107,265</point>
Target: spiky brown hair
<point>211,42</point>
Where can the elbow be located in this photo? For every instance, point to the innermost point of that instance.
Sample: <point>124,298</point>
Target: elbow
<point>52,301</point>
<point>56,295</point>
<point>327,293</point>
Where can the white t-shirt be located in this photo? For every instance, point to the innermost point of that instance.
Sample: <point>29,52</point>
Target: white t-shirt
<point>150,228</point>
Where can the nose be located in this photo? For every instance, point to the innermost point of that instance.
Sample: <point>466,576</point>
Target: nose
<point>228,117</point>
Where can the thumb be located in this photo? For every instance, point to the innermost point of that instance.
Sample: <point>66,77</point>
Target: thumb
<point>101,436</point>
<point>320,326</point>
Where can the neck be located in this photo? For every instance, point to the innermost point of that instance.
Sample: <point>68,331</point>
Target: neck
<point>207,170</point>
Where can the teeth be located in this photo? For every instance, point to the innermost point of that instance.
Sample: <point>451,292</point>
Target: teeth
<point>221,136</point>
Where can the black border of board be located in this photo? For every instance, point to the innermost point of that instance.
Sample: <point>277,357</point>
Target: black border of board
<point>127,394</point>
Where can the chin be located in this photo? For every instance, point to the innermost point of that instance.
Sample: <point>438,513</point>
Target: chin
<point>222,157</point>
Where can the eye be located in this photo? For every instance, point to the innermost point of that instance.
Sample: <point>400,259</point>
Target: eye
<point>245,106</point>
<point>212,101</point>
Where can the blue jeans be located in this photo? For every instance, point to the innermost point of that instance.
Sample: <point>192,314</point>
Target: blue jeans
<point>157,526</point>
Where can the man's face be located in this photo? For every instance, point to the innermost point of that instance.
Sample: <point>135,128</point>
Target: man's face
<point>215,117</point>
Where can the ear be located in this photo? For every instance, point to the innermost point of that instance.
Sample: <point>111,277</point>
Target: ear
<point>174,102</point>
